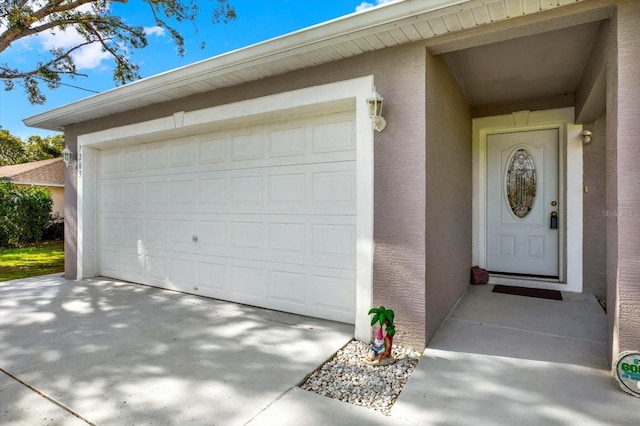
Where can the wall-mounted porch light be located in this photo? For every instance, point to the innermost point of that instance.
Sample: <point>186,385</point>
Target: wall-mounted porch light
<point>67,156</point>
<point>375,111</point>
<point>585,135</point>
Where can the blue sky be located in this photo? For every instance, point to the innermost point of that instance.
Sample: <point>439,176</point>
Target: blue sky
<point>258,20</point>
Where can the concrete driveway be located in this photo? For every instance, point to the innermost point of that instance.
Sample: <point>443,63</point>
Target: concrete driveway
<point>125,354</point>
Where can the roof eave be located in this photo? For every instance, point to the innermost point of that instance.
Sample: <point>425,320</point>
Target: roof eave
<point>58,118</point>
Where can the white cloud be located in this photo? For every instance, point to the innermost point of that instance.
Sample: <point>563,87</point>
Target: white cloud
<point>86,57</point>
<point>366,5</point>
<point>155,31</point>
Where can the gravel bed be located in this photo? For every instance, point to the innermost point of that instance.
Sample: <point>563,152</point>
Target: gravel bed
<point>348,378</point>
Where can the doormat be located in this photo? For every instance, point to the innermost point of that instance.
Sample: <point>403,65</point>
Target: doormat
<point>529,292</point>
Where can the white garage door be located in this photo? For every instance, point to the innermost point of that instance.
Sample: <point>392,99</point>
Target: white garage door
<point>262,215</point>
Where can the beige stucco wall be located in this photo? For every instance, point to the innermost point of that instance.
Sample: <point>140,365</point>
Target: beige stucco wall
<point>399,194</point>
<point>57,196</point>
<point>623,128</point>
<point>448,195</point>
<point>594,242</point>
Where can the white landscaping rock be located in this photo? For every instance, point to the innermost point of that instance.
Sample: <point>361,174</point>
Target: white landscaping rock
<point>348,378</point>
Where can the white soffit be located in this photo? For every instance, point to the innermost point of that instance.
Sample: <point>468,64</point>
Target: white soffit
<point>384,26</point>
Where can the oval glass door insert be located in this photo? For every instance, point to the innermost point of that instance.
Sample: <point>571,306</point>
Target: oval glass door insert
<point>521,183</point>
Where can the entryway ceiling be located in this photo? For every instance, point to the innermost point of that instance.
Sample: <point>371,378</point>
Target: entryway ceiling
<point>524,70</point>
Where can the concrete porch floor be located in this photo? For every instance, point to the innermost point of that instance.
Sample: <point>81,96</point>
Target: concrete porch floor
<point>502,359</point>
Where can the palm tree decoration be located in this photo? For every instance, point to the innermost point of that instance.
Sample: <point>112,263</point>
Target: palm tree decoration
<point>384,317</point>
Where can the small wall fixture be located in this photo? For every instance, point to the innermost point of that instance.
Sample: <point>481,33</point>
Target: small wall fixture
<point>375,111</point>
<point>67,156</point>
<point>585,135</point>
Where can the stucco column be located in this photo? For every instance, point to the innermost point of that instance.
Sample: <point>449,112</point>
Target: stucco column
<point>70,212</point>
<point>623,203</point>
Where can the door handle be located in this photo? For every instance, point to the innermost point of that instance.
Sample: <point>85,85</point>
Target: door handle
<point>554,220</point>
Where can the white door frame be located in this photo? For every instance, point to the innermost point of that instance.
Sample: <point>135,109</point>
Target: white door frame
<point>344,95</point>
<point>570,192</point>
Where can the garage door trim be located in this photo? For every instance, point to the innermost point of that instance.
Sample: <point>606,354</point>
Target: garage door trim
<point>348,94</point>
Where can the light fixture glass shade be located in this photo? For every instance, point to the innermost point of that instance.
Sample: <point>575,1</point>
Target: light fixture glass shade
<point>67,156</point>
<point>375,105</point>
<point>375,111</point>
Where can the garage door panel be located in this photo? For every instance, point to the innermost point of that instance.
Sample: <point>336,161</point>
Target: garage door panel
<point>182,153</point>
<point>131,265</point>
<point>333,240</point>
<point>212,149</point>
<point>111,262</point>
<point>132,229</point>
<point>246,193</point>
<point>182,272</point>
<point>334,190</point>
<point>212,234</point>
<point>286,237</point>
<point>287,189</point>
<point>155,233</point>
<point>287,286</point>
<point>303,240</point>
<point>212,278</point>
<point>246,146</point>
<point>333,293</point>
<point>122,263</point>
<point>155,156</point>
<point>132,195</point>
<point>111,229</point>
<point>287,141</point>
<point>155,195</point>
<point>111,163</point>
<point>327,140</point>
<point>155,269</point>
<point>110,196</point>
<point>246,280</point>
<point>333,136</point>
<point>181,235</point>
<point>133,159</point>
<point>264,215</point>
<point>182,196</point>
<point>212,193</point>
<point>246,235</point>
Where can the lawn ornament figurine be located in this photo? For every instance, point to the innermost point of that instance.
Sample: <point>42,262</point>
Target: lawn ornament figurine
<point>383,342</point>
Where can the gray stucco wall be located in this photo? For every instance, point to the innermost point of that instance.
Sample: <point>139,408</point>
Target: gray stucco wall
<point>399,212</point>
<point>449,193</point>
<point>628,175</point>
<point>594,242</point>
<point>612,191</point>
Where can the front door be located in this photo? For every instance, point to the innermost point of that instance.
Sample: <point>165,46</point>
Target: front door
<point>523,210</point>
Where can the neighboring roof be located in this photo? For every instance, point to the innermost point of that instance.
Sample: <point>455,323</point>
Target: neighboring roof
<point>44,173</point>
<point>392,24</point>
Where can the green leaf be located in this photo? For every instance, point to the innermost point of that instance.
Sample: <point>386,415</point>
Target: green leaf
<point>374,320</point>
<point>390,315</point>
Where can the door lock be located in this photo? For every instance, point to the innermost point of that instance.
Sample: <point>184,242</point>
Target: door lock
<point>554,220</point>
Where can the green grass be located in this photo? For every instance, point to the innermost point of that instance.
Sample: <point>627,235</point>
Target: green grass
<point>41,259</point>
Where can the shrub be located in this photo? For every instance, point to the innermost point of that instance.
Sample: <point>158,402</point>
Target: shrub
<point>24,214</point>
<point>54,230</point>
